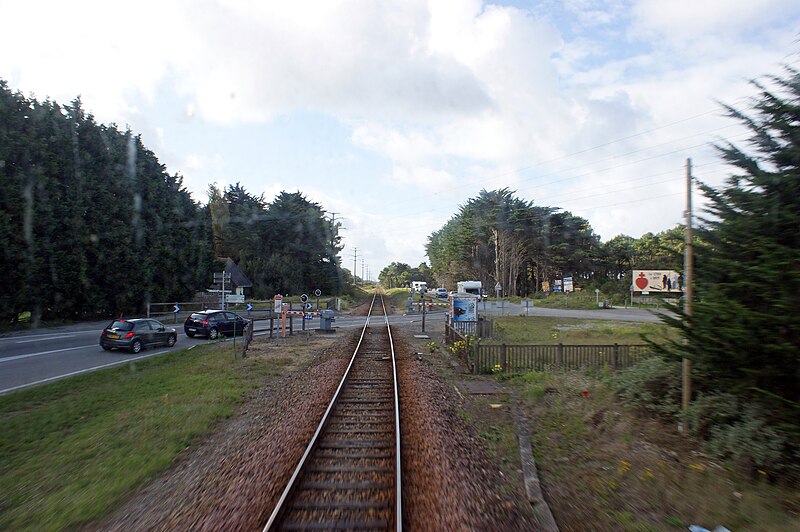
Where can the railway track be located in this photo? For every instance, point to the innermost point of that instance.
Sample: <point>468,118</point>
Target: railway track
<point>349,476</point>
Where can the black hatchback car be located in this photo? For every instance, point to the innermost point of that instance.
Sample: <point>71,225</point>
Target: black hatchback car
<point>136,334</point>
<point>212,323</point>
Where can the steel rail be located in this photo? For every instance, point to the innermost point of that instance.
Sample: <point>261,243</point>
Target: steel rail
<point>287,492</point>
<point>398,483</point>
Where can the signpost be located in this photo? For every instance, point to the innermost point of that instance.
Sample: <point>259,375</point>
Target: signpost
<point>221,278</point>
<point>234,298</point>
<point>497,289</point>
<point>317,293</point>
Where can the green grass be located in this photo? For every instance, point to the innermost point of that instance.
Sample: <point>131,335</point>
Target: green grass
<point>72,449</point>
<point>578,300</point>
<point>593,450</point>
<point>575,331</point>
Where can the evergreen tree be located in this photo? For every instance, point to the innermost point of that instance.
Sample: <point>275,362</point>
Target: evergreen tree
<point>744,333</point>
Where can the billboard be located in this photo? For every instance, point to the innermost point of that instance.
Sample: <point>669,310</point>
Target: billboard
<point>464,308</point>
<point>557,285</point>
<point>545,286</point>
<point>568,284</point>
<point>657,281</point>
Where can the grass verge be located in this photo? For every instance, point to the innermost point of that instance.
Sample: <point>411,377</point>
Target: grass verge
<point>72,449</point>
<point>575,331</point>
<point>632,473</point>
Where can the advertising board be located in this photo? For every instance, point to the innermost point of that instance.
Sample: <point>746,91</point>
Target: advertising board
<point>464,307</point>
<point>657,281</point>
<point>568,285</point>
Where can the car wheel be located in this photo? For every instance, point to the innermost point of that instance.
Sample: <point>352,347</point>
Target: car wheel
<point>213,333</point>
<point>106,347</point>
<point>136,346</point>
<point>171,339</point>
<point>190,335</point>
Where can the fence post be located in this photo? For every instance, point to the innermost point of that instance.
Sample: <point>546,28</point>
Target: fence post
<point>615,357</point>
<point>271,326</point>
<point>148,310</point>
<point>291,325</point>
<point>503,357</point>
<point>560,356</point>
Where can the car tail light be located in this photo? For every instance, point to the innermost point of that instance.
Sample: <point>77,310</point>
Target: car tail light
<point>129,335</point>
<point>205,322</point>
<point>103,332</point>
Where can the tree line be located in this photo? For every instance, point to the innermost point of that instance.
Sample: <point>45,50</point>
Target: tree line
<point>93,225</point>
<point>498,237</point>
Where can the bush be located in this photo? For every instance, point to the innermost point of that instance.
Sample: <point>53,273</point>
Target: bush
<point>750,442</point>
<point>652,385</point>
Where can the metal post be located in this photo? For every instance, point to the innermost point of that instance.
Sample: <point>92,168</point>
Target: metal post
<point>423,315</point>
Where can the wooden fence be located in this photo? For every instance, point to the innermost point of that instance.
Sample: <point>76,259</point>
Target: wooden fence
<point>459,330</point>
<point>521,358</point>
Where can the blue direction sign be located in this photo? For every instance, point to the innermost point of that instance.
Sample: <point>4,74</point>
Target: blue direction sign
<point>176,309</point>
<point>249,306</point>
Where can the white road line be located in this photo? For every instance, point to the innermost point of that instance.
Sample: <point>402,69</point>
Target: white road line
<point>46,336</point>
<point>43,339</point>
<point>79,372</point>
<point>17,357</point>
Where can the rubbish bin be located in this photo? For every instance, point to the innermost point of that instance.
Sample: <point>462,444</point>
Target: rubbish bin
<point>326,318</point>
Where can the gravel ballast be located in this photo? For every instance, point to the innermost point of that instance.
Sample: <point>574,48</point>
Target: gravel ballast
<point>233,479</point>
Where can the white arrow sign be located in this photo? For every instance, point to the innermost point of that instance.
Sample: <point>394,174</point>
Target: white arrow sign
<point>176,309</point>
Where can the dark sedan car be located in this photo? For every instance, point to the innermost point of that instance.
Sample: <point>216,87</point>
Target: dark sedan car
<point>136,334</point>
<point>212,323</point>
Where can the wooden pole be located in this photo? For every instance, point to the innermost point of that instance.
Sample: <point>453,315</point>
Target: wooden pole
<point>689,292</point>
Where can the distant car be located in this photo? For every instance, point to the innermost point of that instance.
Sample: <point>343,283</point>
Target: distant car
<point>441,292</point>
<point>136,334</point>
<point>212,323</point>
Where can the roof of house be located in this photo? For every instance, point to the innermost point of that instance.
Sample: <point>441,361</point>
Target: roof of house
<point>238,278</point>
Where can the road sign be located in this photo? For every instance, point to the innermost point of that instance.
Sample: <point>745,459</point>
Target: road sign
<point>176,309</point>
<point>309,306</point>
<point>304,298</point>
<point>222,276</point>
<point>317,292</point>
<point>278,303</point>
<point>234,298</point>
<point>249,307</point>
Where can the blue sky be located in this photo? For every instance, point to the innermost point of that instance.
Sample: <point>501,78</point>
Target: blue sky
<point>393,114</point>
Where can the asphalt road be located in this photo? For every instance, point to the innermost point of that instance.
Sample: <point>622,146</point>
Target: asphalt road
<point>37,357</point>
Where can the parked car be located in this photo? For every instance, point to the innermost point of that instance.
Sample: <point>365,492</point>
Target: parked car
<point>212,323</point>
<point>136,334</point>
<point>441,292</point>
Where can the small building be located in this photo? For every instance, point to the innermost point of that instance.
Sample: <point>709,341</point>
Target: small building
<point>239,281</point>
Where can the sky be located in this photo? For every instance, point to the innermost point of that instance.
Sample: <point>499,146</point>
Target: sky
<point>391,115</point>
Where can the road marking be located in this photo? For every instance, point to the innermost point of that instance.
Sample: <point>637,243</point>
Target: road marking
<point>45,336</point>
<point>72,374</point>
<point>17,357</point>
<point>42,338</point>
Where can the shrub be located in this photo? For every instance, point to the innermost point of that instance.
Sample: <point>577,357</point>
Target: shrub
<point>750,441</point>
<point>652,385</point>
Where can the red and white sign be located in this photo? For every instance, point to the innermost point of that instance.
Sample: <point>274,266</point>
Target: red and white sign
<point>278,303</point>
<point>657,281</point>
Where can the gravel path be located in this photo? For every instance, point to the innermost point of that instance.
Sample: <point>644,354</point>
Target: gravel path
<point>233,479</point>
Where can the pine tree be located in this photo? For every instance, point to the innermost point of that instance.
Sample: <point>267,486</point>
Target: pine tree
<point>744,334</point>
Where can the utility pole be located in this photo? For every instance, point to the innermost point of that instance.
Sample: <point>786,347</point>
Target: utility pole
<point>689,295</point>
<point>355,262</point>
<point>363,261</point>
